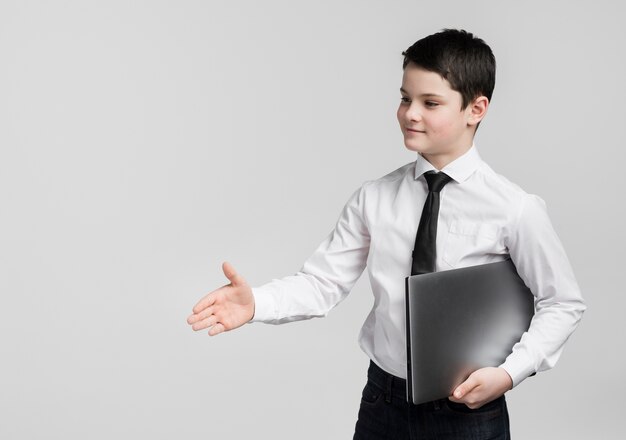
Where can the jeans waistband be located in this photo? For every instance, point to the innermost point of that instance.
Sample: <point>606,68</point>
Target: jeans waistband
<point>395,387</point>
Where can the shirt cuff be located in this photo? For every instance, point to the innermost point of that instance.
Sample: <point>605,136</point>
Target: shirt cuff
<point>517,369</point>
<point>264,307</point>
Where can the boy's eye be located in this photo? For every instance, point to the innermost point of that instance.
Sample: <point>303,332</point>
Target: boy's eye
<point>404,99</point>
<point>431,104</point>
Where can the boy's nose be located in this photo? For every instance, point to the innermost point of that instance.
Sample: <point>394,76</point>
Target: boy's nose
<point>413,114</point>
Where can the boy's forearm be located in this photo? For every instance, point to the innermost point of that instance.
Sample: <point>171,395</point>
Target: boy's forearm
<point>294,298</point>
<point>541,346</point>
<point>542,263</point>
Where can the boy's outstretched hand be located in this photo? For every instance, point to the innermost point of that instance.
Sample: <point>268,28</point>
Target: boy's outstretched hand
<point>226,308</point>
<point>482,386</point>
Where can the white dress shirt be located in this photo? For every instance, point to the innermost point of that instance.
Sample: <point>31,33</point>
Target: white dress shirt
<point>483,218</point>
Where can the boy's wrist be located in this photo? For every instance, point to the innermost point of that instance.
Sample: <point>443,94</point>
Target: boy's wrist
<point>507,377</point>
<point>263,306</point>
<point>517,369</point>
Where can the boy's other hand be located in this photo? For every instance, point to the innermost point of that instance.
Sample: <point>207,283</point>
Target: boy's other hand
<point>226,308</point>
<point>482,386</point>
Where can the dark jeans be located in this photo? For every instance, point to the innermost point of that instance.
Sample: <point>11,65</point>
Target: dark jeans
<point>385,414</point>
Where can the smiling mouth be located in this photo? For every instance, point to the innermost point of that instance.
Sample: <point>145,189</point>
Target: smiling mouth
<point>415,131</point>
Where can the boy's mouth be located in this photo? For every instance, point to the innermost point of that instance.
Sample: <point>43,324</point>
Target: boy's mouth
<point>415,131</point>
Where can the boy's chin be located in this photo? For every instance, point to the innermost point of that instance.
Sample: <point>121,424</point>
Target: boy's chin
<point>415,147</point>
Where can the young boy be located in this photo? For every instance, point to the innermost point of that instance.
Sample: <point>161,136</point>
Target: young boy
<point>446,89</point>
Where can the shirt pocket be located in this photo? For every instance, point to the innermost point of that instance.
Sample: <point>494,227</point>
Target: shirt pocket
<point>469,243</point>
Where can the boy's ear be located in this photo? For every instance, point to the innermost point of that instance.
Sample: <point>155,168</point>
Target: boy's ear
<point>477,110</point>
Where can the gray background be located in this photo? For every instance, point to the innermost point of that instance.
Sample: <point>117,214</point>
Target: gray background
<point>143,143</point>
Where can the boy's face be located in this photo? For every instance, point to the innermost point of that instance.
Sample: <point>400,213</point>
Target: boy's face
<point>431,118</point>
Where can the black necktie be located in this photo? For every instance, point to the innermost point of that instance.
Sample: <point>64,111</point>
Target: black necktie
<point>424,253</point>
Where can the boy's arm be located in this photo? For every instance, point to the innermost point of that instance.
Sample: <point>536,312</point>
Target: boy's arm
<point>325,278</point>
<point>541,262</point>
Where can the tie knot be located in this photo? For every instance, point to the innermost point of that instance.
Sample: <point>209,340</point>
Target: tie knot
<point>436,181</point>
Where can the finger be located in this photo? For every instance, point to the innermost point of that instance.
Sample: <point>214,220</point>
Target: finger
<point>454,399</point>
<point>232,275</point>
<point>216,329</point>
<point>205,323</point>
<point>200,316</point>
<point>205,302</point>
<point>466,387</point>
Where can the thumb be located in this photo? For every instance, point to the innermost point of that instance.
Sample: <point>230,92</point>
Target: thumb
<point>466,387</point>
<point>232,275</point>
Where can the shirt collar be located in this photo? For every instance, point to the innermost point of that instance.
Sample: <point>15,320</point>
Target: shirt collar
<point>459,169</point>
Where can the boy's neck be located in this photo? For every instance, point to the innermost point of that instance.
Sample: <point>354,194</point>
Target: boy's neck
<point>441,160</point>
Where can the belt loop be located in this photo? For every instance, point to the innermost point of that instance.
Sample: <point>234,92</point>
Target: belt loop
<point>389,388</point>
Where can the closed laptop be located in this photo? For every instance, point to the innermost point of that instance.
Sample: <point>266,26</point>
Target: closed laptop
<point>461,320</point>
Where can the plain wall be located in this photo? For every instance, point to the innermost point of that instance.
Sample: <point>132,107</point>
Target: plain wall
<point>144,143</point>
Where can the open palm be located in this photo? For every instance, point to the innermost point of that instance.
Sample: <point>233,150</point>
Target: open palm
<point>226,308</point>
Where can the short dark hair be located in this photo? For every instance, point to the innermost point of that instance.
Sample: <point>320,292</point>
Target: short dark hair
<point>464,60</point>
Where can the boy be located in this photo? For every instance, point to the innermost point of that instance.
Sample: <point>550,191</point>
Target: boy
<point>446,89</point>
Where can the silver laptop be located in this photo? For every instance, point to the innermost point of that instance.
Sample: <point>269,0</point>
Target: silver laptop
<point>461,320</point>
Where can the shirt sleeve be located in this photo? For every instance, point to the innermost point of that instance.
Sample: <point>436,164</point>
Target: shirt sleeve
<point>541,262</point>
<point>325,278</point>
